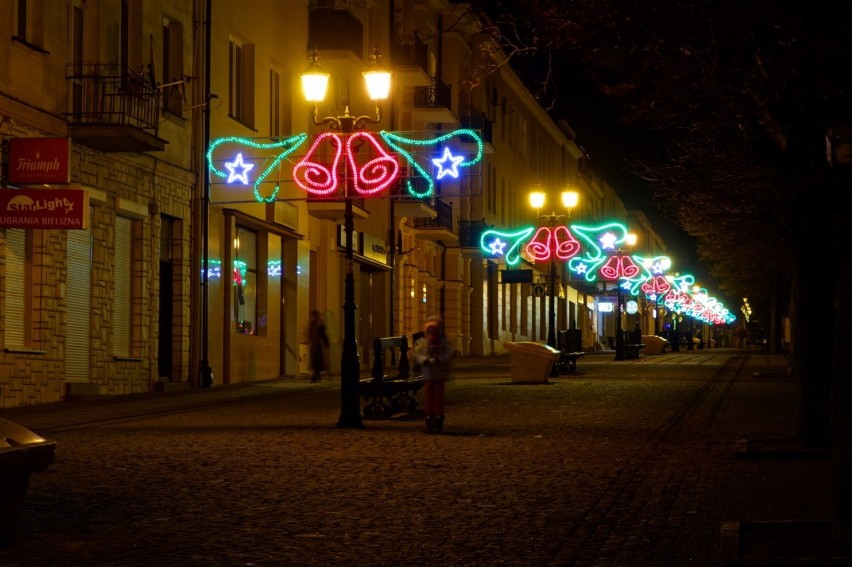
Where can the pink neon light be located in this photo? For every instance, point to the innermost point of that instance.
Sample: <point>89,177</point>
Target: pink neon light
<point>317,178</point>
<point>368,178</point>
<point>619,267</point>
<point>657,284</point>
<point>539,247</point>
<point>565,245</point>
<point>377,173</point>
<point>546,243</point>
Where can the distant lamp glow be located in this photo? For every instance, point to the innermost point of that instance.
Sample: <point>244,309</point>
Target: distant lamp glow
<point>377,77</point>
<point>315,80</point>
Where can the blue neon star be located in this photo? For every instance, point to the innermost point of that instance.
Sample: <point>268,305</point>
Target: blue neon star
<point>244,168</point>
<point>498,247</point>
<point>441,162</point>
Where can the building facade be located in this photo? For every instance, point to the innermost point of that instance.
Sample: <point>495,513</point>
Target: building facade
<point>203,255</point>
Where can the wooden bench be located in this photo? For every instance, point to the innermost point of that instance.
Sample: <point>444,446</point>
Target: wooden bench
<point>570,348</point>
<point>385,396</point>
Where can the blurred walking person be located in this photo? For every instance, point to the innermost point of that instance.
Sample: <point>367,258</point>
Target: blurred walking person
<point>318,343</point>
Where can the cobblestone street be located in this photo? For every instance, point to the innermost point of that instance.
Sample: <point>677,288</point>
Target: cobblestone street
<point>628,463</point>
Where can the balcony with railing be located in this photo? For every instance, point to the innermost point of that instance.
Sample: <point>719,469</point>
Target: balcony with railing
<point>433,103</point>
<point>470,233</point>
<point>113,109</point>
<point>439,227</point>
<point>407,205</point>
<point>410,62</point>
<point>483,126</point>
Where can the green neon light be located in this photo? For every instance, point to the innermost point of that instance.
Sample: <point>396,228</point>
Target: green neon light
<point>496,243</point>
<point>291,144</point>
<point>394,140</point>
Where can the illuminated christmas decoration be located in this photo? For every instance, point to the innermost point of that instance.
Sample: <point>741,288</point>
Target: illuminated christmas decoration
<point>597,253</point>
<point>214,269</point>
<point>442,162</point>
<point>494,243</point>
<point>548,243</point>
<point>596,242</point>
<point>373,170</point>
<point>238,170</point>
<point>400,144</point>
<point>368,178</point>
<point>240,268</point>
<point>289,145</point>
<point>618,268</point>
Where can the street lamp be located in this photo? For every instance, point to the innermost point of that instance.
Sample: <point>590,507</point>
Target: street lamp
<point>314,85</point>
<point>569,201</point>
<point>629,241</point>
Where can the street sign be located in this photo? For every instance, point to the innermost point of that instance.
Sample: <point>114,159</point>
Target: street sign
<point>539,290</point>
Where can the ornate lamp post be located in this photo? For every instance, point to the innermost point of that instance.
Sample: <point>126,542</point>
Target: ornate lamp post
<point>569,201</point>
<point>314,86</point>
<point>630,241</point>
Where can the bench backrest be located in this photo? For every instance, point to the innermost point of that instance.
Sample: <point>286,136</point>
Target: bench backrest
<point>380,345</point>
<point>570,340</point>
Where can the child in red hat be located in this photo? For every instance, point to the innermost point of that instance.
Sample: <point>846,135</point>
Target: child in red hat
<point>433,353</point>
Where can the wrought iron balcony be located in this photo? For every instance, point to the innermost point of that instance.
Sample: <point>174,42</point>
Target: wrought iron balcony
<point>433,103</point>
<point>332,29</point>
<point>441,226</point>
<point>470,232</point>
<point>480,123</point>
<point>410,62</point>
<point>113,109</point>
<point>407,205</point>
<point>437,95</point>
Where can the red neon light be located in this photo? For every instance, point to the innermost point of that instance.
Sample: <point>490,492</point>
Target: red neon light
<point>658,284</point>
<point>377,173</point>
<point>618,267</point>
<point>317,178</point>
<point>369,178</point>
<point>546,243</point>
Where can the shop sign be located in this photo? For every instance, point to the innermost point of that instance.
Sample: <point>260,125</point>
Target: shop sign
<point>44,208</point>
<point>374,249</point>
<point>39,160</point>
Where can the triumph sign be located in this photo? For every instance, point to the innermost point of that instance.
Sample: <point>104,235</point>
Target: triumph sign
<point>44,208</point>
<point>38,160</point>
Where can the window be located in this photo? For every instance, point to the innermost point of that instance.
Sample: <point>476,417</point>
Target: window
<point>29,23</point>
<point>130,39</point>
<point>173,92</point>
<point>274,103</point>
<point>78,297</point>
<point>245,281</point>
<point>123,295</point>
<point>18,288</point>
<point>280,122</point>
<point>241,82</point>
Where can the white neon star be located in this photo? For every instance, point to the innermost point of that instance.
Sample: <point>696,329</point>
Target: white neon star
<point>608,241</point>
<point>582,268</point>
<point>497,247</point>
<point>244,168</point>
<point>453,169</point>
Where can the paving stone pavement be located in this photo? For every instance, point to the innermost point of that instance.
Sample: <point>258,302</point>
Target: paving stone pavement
<point>625,463</point>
